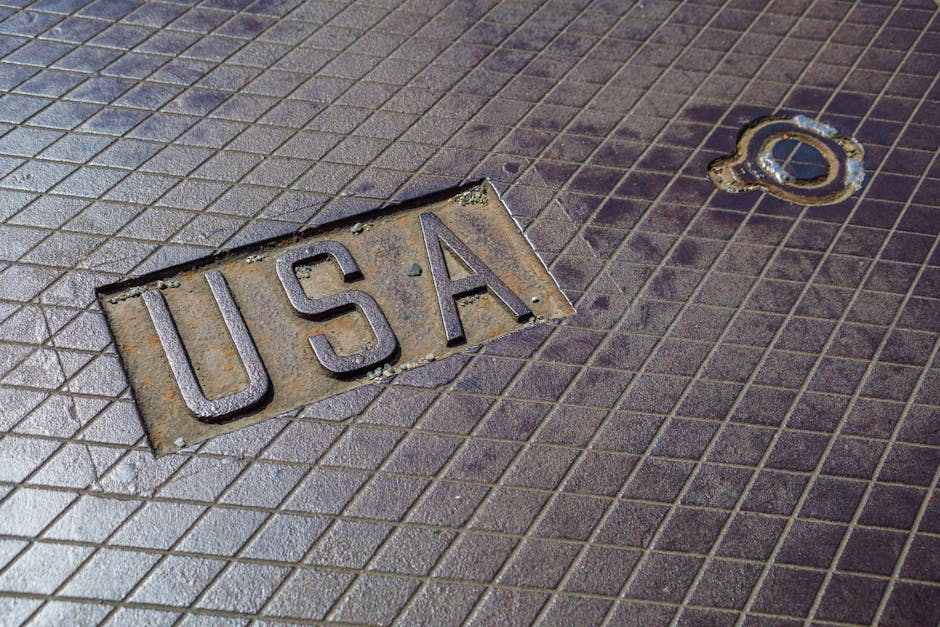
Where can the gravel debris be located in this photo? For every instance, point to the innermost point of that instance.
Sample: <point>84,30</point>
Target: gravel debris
<point>387,371</point>
<point>473,196</point>
<point>134,292</point>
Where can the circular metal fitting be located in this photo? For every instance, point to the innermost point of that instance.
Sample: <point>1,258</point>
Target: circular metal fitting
<point>753,166</point>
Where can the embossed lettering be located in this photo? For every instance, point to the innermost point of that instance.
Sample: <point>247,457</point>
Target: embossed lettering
<point>386,342</point>
<point>180,363</point>
<point>437,234</point>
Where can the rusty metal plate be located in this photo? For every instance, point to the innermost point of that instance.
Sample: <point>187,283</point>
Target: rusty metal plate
<point>223,343</point>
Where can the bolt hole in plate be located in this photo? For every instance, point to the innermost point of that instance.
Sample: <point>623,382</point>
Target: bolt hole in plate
<point>224,342</point>
<point>796,159</point>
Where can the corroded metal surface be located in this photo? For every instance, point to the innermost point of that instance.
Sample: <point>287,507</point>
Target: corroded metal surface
<point>302,318</point>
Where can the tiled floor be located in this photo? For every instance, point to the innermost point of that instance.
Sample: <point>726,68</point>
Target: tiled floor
<point>741,425</point>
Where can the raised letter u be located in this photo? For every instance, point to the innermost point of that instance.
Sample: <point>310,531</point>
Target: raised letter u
<point>224,406</point>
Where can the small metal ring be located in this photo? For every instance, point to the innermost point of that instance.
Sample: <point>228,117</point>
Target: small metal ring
<point>753,166</point>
